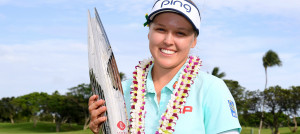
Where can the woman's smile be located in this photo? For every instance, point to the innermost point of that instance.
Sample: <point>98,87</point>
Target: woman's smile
<point>166,51</point>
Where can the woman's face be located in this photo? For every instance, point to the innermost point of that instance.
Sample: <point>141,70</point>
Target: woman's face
<point>171,36</point>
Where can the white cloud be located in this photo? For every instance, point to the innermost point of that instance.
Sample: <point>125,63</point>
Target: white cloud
<point>237,54</point>
<point>56,64</point>
<point>277,7</point>
<point>29,3</point>
<point>2,2</point>
<point>128,7</point>
<point>42,66</point>
<point>129,47</point>
<point>240,57</point>
<point>261,7</point>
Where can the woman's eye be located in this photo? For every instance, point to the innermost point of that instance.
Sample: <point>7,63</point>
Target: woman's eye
<point>181,33</point>
<point>160,29</point>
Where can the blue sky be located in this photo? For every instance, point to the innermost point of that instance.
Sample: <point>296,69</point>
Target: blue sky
<point>43,44</point>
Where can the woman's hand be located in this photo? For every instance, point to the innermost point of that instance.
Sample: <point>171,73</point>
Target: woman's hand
<point>96,110</point>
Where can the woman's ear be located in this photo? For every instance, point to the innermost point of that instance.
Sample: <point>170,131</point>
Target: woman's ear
<point>194,42</point>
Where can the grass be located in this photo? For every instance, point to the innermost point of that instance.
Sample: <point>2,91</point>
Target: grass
<point>50,128</point>
<point>283,130</point>
<point>41,128</point>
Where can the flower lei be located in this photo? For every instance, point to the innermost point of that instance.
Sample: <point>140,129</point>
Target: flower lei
<point>176,103</point>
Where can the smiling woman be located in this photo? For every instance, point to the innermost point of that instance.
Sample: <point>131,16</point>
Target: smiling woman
<point>169,93</point>
<point>171,37</point>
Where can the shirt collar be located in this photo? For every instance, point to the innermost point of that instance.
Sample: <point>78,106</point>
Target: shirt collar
<point>149,82</point>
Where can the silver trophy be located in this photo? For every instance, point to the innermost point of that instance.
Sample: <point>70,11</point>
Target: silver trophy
<point>105,79</point>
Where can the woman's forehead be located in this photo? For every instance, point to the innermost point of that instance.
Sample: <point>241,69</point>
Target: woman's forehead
<point>171,18</point>
<point>184,7</point>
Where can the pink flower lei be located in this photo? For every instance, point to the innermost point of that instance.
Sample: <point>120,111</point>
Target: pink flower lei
<point>175,105</point>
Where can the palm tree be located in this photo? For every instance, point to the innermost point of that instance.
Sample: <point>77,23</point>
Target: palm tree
<point>216,73</point>
<point>270,59</point>
<point>122,76</point>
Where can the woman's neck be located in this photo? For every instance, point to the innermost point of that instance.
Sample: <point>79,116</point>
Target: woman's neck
<point>162,76</point>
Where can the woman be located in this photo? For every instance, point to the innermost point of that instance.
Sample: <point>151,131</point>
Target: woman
<point>168,93</point>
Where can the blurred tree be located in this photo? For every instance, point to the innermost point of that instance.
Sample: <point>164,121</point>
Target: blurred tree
<point>276,100</point>
<point>252,100</point>
<point>32,104</point>
<point>270,59</point>
<point>122,76</point>
<point>269,121</point>
<point>63,107</point>
<point>81,94</point>
<point>294,106</point>
<point>7,109</point>
<point>215,72</point>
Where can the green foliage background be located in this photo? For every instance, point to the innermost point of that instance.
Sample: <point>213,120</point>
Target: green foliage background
<point>48,113</point>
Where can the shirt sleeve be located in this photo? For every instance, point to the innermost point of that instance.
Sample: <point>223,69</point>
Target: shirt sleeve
<point>220,113</point>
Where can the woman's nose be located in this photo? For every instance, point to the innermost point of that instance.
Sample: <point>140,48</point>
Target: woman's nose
<point>169,39</point>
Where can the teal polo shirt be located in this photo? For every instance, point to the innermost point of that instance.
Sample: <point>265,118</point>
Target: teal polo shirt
<point>209,109</point>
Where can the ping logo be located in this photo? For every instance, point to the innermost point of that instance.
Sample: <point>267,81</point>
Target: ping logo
<point>121,125</point>
<point>187,7</point>
<point>186,109</point>
<point>174,85</point>
<point>232,109</point>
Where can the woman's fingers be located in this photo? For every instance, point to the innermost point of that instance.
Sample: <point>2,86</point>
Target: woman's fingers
<point>96,119</point>
<point>98,112</point>
<point>93,128</point>
<point>92,99</point>
<point>95,105</point>
<point>95,125</point>
<point>100,120</point>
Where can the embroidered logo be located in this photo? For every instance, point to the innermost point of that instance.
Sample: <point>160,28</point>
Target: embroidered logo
<point>186,6</point>
<point>232,109</point>
<point>174,85</point>
<point>186,109</point>
<point>121,125</point>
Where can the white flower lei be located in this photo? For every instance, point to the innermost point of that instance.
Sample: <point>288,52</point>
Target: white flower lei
<point>175,105</point>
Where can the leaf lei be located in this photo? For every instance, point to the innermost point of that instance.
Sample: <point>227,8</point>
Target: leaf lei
<point>147,21</point>
<point>175,105</point>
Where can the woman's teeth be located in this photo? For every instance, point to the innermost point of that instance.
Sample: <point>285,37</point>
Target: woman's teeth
<point>167,51</point>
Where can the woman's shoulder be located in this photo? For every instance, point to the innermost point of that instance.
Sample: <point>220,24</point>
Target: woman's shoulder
<point>126,85</point>
<point>209,83</point>
<point>127,82</point>
<point>207,78</point>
